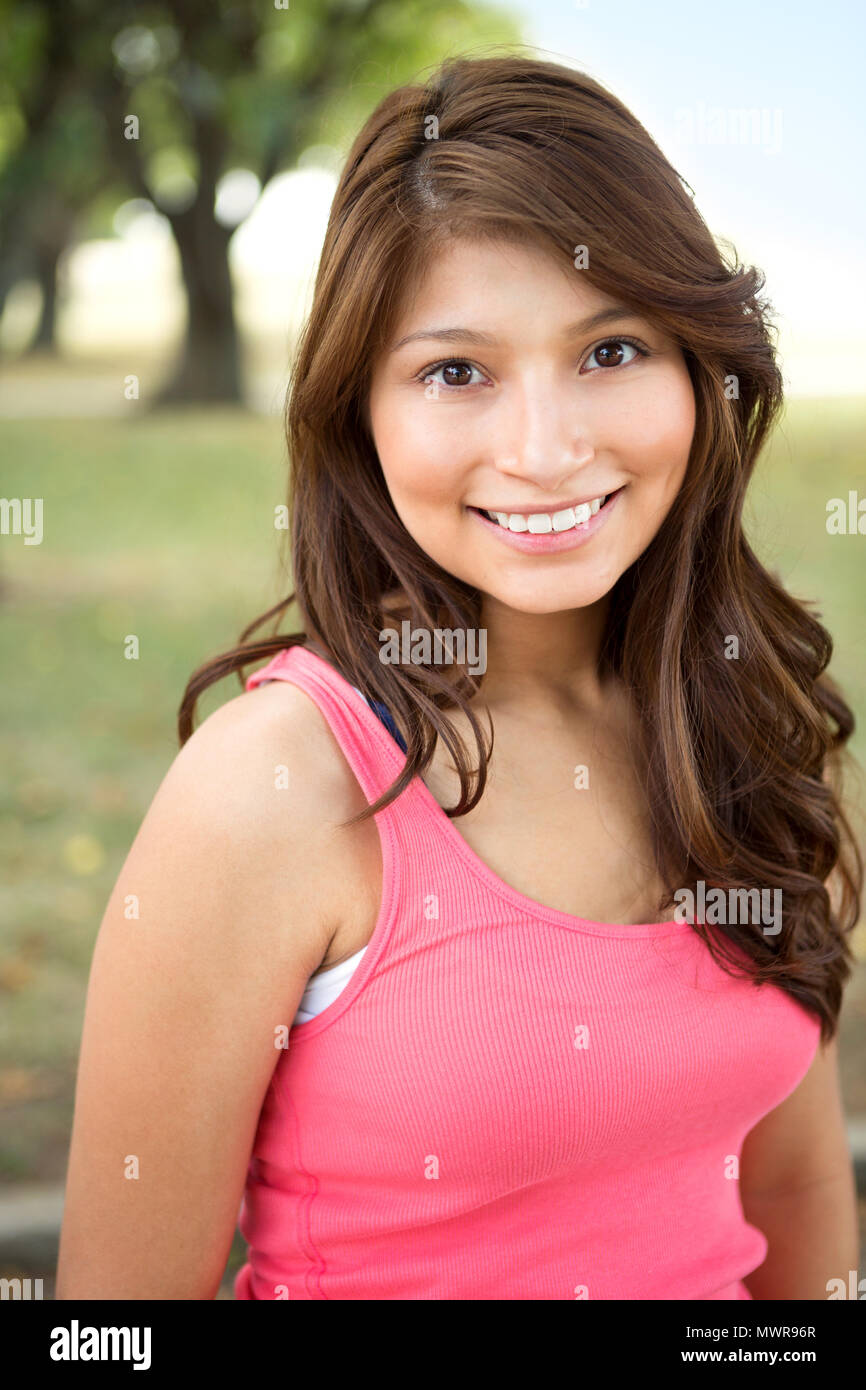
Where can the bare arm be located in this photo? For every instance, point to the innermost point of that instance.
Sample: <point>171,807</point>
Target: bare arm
<point>229,874</point>
<point>797,1186</point>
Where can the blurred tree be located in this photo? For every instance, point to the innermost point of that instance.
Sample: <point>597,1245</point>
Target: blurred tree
<point>160,100</point>
<point>46,176</point>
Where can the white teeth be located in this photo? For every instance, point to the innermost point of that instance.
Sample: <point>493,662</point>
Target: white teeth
<point>538,523</point>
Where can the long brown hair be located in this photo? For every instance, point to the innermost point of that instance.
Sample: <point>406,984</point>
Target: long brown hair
<point>736,754</point>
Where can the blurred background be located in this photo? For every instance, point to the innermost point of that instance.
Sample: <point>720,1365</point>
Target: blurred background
<point>166,171</point>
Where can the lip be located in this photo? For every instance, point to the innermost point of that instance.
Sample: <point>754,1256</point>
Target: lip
<point>551,542</point>
<point>555,506</point>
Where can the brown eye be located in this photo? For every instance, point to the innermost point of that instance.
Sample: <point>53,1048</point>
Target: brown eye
<point>451,375</point>
<point>608,353</point>
<point>456,373</point>
<point>611,353</point>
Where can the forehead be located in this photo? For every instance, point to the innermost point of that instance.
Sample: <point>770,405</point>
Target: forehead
<point>485,278</point>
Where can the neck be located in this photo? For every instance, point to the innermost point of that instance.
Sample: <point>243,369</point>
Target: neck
<point>535,659</point>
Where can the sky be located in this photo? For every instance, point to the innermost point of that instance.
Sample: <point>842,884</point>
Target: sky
<point>788,196</point>
<point>792,203</point>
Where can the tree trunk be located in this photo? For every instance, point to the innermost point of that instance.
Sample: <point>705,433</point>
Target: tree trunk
<point>209,365</point>
<point>45,266</point>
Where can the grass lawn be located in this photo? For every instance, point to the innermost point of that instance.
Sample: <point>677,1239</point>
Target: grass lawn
<point>162,526</point>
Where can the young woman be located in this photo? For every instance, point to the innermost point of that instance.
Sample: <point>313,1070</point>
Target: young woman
<point>453,977</point>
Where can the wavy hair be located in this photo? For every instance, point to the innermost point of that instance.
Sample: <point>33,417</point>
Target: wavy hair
<point>740,758</point>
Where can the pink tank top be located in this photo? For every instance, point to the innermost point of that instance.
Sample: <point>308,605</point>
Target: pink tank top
<point>507,1101</point>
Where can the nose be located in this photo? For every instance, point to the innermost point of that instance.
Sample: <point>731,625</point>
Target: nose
<point>543,439</point>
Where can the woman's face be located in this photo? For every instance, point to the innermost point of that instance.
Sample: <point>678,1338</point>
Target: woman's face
<point>509,399</point>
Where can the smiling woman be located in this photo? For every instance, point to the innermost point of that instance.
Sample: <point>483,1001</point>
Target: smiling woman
<point>547,422</point>
<point>530,1080</point>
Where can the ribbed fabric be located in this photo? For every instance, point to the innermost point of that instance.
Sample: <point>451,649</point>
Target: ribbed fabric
<point>507,1101</point>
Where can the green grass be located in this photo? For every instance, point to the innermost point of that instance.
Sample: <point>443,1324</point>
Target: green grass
<point>815,455</point>
<point>162,526</point>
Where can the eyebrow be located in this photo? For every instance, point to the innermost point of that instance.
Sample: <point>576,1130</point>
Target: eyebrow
<point>475,336</point>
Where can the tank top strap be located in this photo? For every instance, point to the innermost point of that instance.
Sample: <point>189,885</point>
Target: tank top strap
<point>369,749</point>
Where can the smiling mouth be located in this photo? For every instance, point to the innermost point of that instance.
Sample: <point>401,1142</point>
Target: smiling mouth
<point>543,523</point>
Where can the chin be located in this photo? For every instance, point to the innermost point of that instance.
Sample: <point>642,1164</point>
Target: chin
<point>552,597</point>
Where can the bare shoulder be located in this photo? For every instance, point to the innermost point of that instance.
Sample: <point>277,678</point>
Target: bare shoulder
<point>243,841</point>
<point>272,739</point>
<point>266,769</point>
<point>220,913</point>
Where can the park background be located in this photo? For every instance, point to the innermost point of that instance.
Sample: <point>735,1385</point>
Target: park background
<point>184,259</point>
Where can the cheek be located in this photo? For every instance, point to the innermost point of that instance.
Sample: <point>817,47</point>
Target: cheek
<point>421,455</point>
<point>656,437</point>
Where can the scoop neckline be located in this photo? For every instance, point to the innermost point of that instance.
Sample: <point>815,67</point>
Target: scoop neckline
<point>530,906</point>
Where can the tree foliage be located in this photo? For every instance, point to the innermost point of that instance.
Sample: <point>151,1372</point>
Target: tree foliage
<point>215,85</point>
